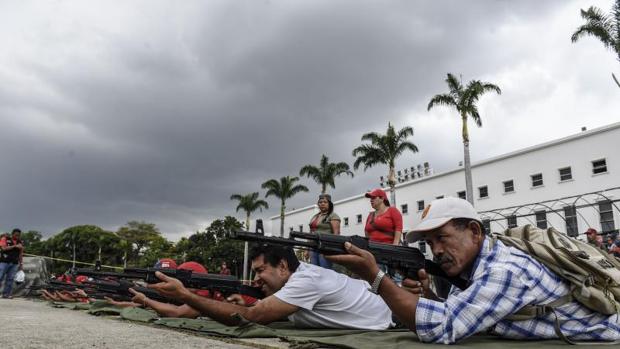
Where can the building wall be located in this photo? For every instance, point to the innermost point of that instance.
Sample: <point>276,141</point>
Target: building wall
<point>577,151</point>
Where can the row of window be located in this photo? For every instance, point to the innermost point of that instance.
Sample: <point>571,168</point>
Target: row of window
<point>570,216</point>
<point>565,174</point>
<point>606,218</point>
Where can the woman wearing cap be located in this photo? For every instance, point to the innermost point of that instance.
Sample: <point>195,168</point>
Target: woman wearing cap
<point>324,222</point>
<point>385,223</point>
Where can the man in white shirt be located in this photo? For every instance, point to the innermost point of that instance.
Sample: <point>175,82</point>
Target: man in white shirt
<point>310,296</point>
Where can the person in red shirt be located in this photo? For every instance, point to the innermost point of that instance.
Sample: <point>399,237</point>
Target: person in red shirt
<point>385,223</point>
<point>11,260</point>
<point>224,269</point>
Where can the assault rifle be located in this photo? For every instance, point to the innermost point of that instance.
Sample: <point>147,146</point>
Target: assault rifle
<point>406,259</point>
<point>117,290</point>
<point>225,284</point>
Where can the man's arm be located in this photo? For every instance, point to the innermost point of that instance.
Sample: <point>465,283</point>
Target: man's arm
<point>266,311</point>
<point>402,303</point>
<point>164,309</point>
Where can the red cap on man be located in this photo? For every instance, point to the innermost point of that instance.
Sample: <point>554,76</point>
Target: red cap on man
<point>166,263</point>
<point>194,267</point>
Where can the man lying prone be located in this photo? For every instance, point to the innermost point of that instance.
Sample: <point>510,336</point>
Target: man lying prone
<point>309,296</point>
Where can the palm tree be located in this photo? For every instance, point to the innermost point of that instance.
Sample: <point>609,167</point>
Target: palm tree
<point>464,100</point>
<point>605,27</point>
<point>283,189</point>
<point>384,149</point>
<point>326,173</point>
<point>249,203</point>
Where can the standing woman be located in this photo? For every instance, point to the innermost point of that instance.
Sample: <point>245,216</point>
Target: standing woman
<point>385,223</point>
<point>324,222</point>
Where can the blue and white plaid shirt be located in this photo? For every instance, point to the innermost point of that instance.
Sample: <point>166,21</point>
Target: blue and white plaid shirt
<point>504,280</point>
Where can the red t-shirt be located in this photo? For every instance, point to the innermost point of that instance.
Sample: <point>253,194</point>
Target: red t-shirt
<point>384,225</point>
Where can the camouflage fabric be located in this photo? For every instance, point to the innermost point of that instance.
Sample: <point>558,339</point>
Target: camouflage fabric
<point>138,314</point>
<point>36,274</point>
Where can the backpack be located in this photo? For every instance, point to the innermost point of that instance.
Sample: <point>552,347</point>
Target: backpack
<point>593,274</point>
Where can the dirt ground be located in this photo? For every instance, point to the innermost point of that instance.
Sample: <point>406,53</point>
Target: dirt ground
<point>34,324</point>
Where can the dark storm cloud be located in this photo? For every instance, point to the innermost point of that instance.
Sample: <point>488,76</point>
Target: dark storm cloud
<point>161,113</point>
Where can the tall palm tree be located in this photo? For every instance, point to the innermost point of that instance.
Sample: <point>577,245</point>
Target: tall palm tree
<point>384,149</point>
<point>249,203</point>
<point>463,99</point>
<point>326,173</point>
<point>605,27</point>
<point>283,189</point>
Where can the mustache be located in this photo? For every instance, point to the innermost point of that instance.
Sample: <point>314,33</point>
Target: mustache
<point>442,259</point>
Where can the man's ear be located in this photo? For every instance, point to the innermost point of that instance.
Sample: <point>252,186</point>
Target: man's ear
<point>476,230</point>
<point>283,265</point>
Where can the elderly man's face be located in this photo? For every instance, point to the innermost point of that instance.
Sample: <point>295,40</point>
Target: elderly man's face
<point>455,250</point>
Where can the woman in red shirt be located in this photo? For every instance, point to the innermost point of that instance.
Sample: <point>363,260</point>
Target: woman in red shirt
<point>385,224</point>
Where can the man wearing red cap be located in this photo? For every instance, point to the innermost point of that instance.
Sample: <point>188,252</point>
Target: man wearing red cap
<point>593,238</point>
<point>502,280</point>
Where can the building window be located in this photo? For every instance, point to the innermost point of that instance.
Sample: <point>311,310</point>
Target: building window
<point>483,192</point>
<point>346,221</point>
<point>512,221</point>
<point>462,195</point>
<point>422,246</point>
<point>599,166</point>
<point>570,216</point>
<point>301,228</point>
<point>404,209</point>
<point>486,225</point>
<point>421,205</point>
<point>605,209</point>
<point>439,197</point>
<point>509,186</point>
<point>541,219</point>
<point>359,218</point>
<point>565,174</point>
<point>537,180</point>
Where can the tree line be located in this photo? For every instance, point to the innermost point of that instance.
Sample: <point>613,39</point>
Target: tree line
<point>138,244</point>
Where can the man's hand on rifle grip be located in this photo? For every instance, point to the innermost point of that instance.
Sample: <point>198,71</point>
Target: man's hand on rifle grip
<point>359,261</point>
<point>169,287</point>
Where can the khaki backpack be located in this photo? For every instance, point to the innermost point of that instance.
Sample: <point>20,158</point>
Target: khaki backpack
<point>594,274</point>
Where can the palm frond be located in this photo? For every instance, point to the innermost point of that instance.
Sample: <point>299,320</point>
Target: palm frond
<point>442,99</point>
<point>454,84</point>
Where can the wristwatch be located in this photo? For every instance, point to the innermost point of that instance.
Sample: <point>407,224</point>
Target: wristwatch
<point>374,288</point>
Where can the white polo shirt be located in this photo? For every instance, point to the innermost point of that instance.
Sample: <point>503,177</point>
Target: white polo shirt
<point>327,299</point>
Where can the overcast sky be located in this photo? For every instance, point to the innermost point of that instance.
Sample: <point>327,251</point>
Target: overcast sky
<point>160,110</point>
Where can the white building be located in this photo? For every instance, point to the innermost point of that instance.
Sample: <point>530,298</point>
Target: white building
<point>544,184</point>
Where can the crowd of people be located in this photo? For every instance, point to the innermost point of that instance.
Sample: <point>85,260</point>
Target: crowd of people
<point>611,243</point>
<point>501,281</point>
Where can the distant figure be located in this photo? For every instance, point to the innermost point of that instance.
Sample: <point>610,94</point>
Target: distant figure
<point>11,260</point>
<point>614,247</point>
<point>594,239</point>
<point>324,222</point>
<point>224,269</point>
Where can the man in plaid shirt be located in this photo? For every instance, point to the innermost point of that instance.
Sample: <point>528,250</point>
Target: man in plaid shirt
<point>501,281</point>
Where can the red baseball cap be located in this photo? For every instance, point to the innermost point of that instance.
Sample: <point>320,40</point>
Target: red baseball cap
<point>166,263</point>
<point>591,231</point>
<point>376,193</point>
<point>194,267</point>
